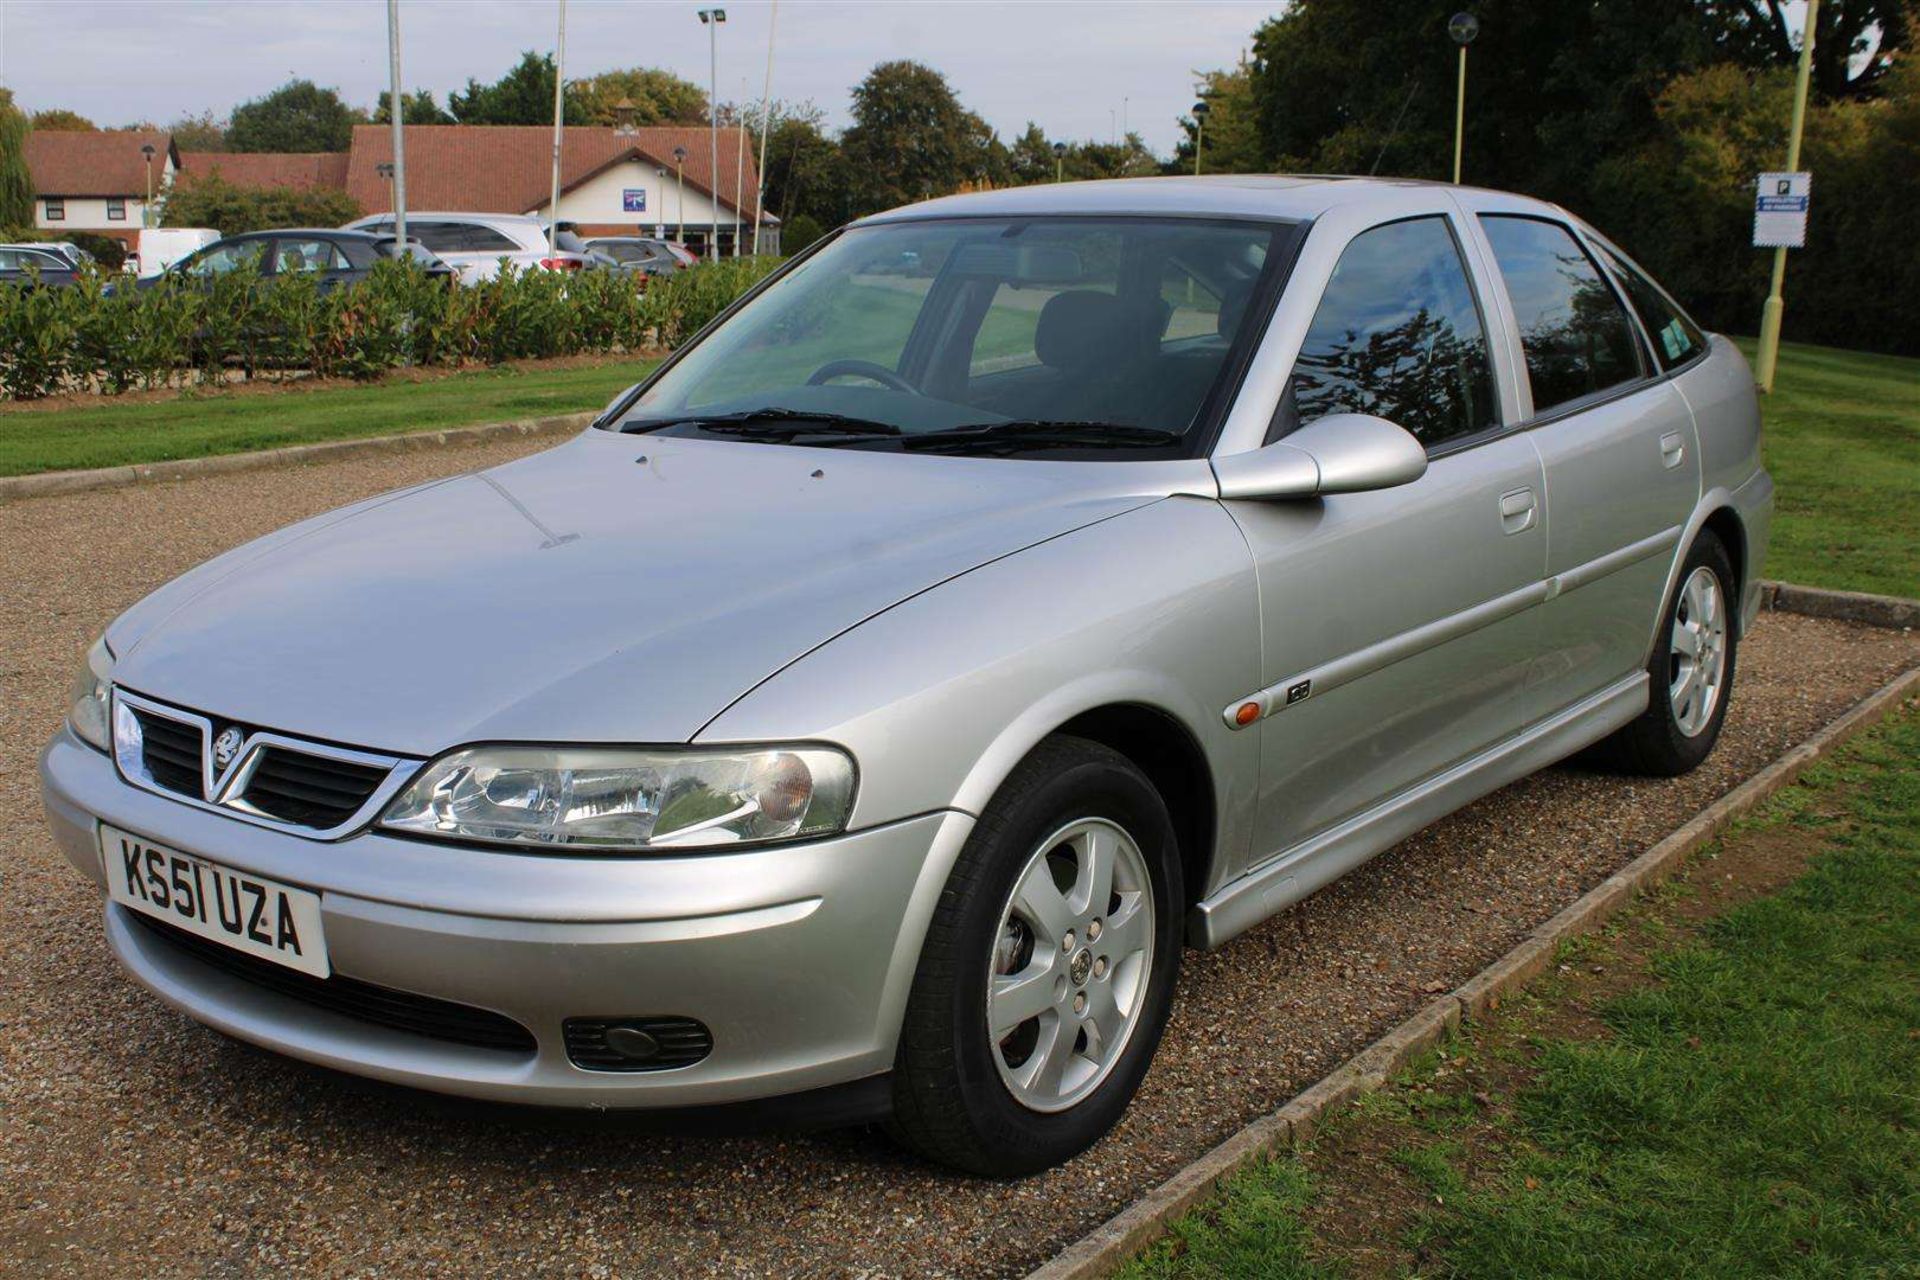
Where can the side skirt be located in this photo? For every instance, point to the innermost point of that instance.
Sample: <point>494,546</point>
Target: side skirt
<point>1316,862</point>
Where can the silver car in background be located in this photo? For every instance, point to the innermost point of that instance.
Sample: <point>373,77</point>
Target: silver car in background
<point>476,244</point>
<point>1015,590</point>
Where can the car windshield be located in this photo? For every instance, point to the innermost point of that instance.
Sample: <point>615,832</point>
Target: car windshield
<point>1104,337</point>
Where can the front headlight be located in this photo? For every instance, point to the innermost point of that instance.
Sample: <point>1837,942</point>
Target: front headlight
<point>617,799</point>
<point>87,699</point>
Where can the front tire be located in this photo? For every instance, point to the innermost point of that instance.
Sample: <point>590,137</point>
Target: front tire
<point>1048,970</point>
<point>1690,674</point>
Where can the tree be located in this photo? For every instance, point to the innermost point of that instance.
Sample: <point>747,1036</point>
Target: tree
<point>61,120</point>
<point>806,173</point>
<point>1853,51</point>
<point>417,107</point>
<point>209,200</point>
<point>16,180</point>
<point>911,139</point>
<point>199,133</point>
<point>1231,142</point>
<point>522,96</point>
<point>658,97</point>
<point>298,116</point>
<point>1030,159</point>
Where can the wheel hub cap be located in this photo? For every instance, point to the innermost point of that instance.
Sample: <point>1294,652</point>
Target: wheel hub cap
<point>1697,652</point>
<point>1062,1006</point>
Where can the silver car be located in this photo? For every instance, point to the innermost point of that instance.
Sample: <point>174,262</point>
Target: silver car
<point>1013,591</point>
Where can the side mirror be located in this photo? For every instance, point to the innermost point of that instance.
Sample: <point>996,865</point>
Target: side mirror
<point>606,414</point>
<point>1344,453</point>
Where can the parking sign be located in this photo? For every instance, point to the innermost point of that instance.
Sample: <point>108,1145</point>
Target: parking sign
<point>1780,210</point>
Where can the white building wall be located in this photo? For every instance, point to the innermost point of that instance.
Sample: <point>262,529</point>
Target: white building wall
<point>600,200</point>
<point>87,213</point>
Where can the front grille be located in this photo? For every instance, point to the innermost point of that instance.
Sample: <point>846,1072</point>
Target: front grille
<point>171,752</point>
<point>310,790</point>
<point>352,998</point>
<point>268,776</point>
<point>680,1042</point>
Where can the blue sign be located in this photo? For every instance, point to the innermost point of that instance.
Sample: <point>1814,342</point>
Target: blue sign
<point>1781,204</point>
<point>634,200</point>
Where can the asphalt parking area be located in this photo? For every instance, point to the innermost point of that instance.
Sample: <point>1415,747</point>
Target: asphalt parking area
<point>133,1141</point>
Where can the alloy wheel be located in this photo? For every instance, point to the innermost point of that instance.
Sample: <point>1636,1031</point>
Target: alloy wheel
<point>1068,975</point>
<point>1697,651</point>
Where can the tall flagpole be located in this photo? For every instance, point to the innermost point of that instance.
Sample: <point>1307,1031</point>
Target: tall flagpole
<point>766,118</point>
<point>559,117</point>
<point>396,109</point>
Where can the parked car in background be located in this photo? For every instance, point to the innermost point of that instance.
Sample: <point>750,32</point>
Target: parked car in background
<point>475,244</point>
<point>74,255</point>
<point>160,247</point>
<point>335,257</point>
<point>1015,589</point>
<point>35,264</point>
<point>643,253</point>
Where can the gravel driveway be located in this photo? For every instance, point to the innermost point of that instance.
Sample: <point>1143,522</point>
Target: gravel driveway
<point>132,1141</point>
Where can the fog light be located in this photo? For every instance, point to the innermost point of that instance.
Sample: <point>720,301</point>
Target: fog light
<point>632,1042</point>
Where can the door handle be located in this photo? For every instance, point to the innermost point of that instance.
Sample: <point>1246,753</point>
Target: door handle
<point>1672,450</point>
<point>1517,511</point>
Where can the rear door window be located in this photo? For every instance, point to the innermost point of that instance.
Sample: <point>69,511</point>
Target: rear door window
<point>1397,335</point>
<point>1573,330</point>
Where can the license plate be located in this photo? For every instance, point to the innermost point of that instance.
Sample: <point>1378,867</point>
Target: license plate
<point>238,909</point>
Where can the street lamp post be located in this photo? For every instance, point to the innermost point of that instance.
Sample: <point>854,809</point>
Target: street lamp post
<point>1059,161</point>
<point>146,210</point>
<point>559,120</point>
<point>1776,305</point>
<point>397,109</point>
<point>711,19</point>
<point>680,201</point>
<point>1463,27</point>
<point>1201,110</point>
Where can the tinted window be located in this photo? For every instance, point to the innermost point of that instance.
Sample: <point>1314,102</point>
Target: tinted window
<point>1396,335</point>
<point>455,237</point>
<point>1572,328</point>
<point>292,256</point>
<point>1676,340</point>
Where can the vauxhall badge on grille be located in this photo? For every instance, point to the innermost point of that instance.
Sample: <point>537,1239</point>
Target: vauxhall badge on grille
<point>227,746</point>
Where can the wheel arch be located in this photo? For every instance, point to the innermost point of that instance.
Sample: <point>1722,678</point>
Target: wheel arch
<point>1717,513</point>
<point>1166,751</point>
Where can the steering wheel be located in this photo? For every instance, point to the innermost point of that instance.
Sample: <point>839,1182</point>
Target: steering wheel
<point>860,369</point>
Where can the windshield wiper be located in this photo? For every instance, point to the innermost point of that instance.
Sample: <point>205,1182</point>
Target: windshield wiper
<point>1044,433</point>
<point>770,423</point>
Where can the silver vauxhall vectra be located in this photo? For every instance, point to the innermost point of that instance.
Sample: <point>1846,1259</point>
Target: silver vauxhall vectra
<point>869,708</point>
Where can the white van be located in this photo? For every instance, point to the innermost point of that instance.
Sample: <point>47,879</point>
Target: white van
<point>161,247</point>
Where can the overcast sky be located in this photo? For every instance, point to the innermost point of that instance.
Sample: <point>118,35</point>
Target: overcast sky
<point>1072,65</point>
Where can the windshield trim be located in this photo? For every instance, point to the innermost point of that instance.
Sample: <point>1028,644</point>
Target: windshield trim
<point>1290,232</point>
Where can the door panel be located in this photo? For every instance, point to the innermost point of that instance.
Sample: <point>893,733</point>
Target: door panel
<point>1417,606</point>
<point>1623,478</point>
<point>1621,458</point>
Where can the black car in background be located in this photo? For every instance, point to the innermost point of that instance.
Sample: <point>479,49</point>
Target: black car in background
<point>31,264</point>
<point>333,256</point>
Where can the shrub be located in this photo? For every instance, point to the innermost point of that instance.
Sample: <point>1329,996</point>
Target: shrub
<point>103,334</point>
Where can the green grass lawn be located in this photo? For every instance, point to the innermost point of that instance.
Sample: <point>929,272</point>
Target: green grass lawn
<point>106,433</point>
<point>1709,1088</point>
<point>1843,443</point>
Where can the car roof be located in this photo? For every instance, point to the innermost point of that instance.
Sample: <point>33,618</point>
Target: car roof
<point>457,215</point>
<point>334,232</point>
<point>1278,196</point>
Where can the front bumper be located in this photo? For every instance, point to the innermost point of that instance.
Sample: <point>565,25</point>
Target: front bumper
<point>798,958</point>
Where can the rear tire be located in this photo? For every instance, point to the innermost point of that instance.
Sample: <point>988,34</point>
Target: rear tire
<point>1074,964</point>
<point>1690,675</point>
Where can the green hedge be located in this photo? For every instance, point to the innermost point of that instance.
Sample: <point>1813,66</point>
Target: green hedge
<point>103,335</point>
